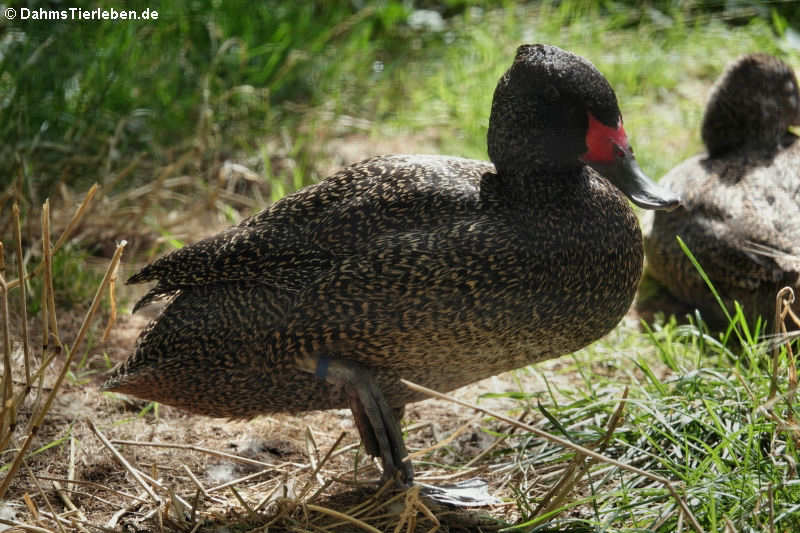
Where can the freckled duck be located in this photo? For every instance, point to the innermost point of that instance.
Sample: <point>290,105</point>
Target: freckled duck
<point>440,270</point>
<point>740,214</point>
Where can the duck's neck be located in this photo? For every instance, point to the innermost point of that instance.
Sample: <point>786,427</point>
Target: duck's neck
<point>538,185</point>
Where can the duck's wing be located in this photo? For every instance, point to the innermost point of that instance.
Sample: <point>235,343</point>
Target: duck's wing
<point>273,254</point>
<point>790,260</point>
<point>756,225</point>
<point>740,256</point>
<point>304,234</point>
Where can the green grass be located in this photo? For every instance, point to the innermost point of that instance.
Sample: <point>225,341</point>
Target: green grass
<point>698,413</point>
<point>73,283</point>
<point>80,99</point>
<point>222,78</point>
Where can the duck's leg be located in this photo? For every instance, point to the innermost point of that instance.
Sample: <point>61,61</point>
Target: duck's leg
<point>379,428</point>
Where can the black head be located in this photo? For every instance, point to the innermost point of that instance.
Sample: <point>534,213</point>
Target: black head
<point>752,104</point>
<point>553,112</point>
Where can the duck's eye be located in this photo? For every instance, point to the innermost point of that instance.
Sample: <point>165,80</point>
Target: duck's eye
<point>619,153</point>
<point>551,93</point>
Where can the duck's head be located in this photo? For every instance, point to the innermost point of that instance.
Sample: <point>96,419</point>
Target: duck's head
<point>553,112</point>
<point>752,104</point>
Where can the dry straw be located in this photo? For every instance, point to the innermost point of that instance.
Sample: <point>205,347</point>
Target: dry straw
<point>11,402</point>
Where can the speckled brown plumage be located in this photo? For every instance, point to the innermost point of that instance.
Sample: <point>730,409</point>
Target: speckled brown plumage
<point>741,209</point>
<point>439,270</point>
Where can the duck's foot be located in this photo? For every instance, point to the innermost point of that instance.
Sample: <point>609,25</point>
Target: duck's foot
<point>469,493</point>
<point>380,432</point>
<point>379,429</point>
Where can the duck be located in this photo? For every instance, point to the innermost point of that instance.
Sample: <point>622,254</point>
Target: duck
<point>740,215</point>
<point>435,269</point>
